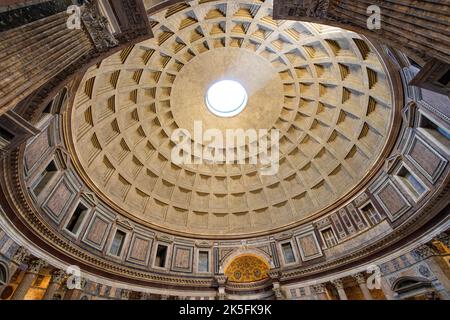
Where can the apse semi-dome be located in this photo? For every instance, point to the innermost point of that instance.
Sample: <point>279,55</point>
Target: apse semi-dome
<point>325,89</point>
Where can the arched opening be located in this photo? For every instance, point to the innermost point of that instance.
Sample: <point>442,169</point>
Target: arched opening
<point>60,100</point>
<point>3,274</point>
<point>6,293</point>
<point>57,296</point>
<point>414,288</point>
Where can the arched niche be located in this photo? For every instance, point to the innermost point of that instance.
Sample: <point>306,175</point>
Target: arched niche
<point>3,274</point>
<point>247,268</point>
<point>414,288</point>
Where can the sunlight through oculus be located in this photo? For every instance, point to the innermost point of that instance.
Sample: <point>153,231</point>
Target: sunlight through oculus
<point>226,98</point>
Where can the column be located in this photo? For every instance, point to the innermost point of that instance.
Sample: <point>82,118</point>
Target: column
<point>75,294</point>
<point>444,239</point>
<point>359,277</point>
<point>277,290</point>
<point>435,258</point>
<point>2,286</point>
<point>33,269</point>
<point>386,288</point>
<point>340,289</point>
<point>275,276</point>
<point>221,280</point>
<point>20,257</point>
<point>125,294</point>
<point>320,291</point>
<point>145,296</point>
<point>54,285</point>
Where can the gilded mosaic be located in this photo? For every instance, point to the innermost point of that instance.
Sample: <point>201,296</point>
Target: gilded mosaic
<point>246,268</point>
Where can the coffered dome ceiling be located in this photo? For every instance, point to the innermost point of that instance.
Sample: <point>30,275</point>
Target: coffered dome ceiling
<point>324,88</point>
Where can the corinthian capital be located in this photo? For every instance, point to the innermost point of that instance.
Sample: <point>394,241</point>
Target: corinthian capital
<point>317,8</point>
<point>301,8</point>
<point>221,280</point>
<point>444,238</point>
<point>36,265</point>
<point>21,255</point>
<point>124,294</point>
<point>338,283</point>
<point>319,288</point>
<point>274,274</point>
<point>58,276</point>
<point>97,27</point>
<point>359,277</point>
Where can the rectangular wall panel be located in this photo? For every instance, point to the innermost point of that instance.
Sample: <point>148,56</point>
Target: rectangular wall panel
<point>391,200</point>
<point>182,258</point>
<point>428,161</point>
<point>139,251</point>
<point>59,200</point>
<point>97,231</point>
<point>308,245</point>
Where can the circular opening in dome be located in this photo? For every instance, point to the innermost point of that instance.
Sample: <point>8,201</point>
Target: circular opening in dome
<point>226,98</point>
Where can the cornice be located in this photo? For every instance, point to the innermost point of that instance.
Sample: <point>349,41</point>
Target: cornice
<point>19,201</point>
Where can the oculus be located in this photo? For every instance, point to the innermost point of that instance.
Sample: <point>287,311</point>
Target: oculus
<point>226,98</point>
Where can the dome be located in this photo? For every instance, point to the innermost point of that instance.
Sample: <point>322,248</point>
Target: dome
<point>325,90</point>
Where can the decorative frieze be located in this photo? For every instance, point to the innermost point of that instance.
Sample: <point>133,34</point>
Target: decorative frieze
<point>124,294</point>
<point>96,26</point>
<point>423,252</point>
<point>301,8</point>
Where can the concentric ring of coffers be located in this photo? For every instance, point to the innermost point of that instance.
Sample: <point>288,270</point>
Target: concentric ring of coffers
<point>324,89</point>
